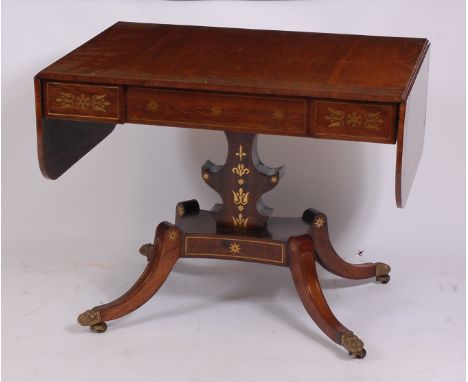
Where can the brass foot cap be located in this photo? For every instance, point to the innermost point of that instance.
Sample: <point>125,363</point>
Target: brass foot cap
<point>89,318</point>
<point>353,345</point>
<point>146,249</point>
<point>381,272</point>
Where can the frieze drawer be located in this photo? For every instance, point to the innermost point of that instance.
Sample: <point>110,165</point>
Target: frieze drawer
<point>80,101</point>
<point>233,248</point>
<point>266,114</point>
<point>354,121</point>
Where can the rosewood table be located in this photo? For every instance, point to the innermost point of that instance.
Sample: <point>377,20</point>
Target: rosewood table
<point>243,82</point>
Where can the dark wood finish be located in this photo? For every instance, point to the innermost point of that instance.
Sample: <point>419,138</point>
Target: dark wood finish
<point>268,115</point>
<point>252,81</point>
<point>355,121</point>
<point>83,102</point>
<point>235,248</point>
<point>318,65</point>
<point>325,253</point>
<point>165,252</point>
<point>411,135</point>
<point>243,82</point>
<point>62,143</point>
<point>241,182</point>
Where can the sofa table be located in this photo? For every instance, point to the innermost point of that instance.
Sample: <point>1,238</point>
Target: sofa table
<point>243,82</point>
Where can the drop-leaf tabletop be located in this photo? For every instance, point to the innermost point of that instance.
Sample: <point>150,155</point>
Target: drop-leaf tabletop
<point>243,82</point>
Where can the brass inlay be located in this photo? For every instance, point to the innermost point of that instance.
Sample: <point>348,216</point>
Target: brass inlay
<point>354,119</point>
<point>373,121</point>
<point>216,111</point>
<point>187,253</point>
<point>152,106</point>
<point>235,248</point>
<point>180,210</point>
<point>206,175</point>
<point>278,115</point>
<point>96,102</point>
<point>319,221</point>
<point>241,153</point>
<point>241,198</point>
<point>274,179</point>
<point>241,181</point>
<point>370,121</point>
<point>241,170</point>
<point>172,234</point>
<point>240,221</point>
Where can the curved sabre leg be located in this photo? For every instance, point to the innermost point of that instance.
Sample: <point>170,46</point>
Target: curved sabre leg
<point>330,260</point>
<point>302,266</point>
<point>165,252</point>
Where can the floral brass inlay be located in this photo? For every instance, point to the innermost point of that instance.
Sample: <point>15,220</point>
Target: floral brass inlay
<point>278,115</point>
<point>206,175</point>
<point>172,235</point>
<point>241,199</point>
<point>180,210</point>
<point>319,222</point>
<point>95,102</point>
<point>274,179</point>
<point>234,248</point>
<point>240,221</point>
<point>241,170</point>
<point>371,121</point>
<point>354,119</point>
<point>152,106</point>
<point>241,153</point>
<point>216,111</point>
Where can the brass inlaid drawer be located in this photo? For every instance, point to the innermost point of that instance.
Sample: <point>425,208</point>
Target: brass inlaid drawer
<point>79,101</point>
<point>354,121</point>
<point>267,114</point>
<point>235,249</point>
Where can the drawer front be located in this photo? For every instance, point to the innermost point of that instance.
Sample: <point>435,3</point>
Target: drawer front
<point>268,115</point>
<point>354,121</point>
<point>77,101</point>
<point>235,249</point>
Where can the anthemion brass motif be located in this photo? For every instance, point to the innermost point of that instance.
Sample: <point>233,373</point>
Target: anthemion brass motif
<point>241,199</point>
<point>240,221</point>
<point>241,170</point>
<point>180,210</point>
<point>95,102</point>
<point>338,118</point>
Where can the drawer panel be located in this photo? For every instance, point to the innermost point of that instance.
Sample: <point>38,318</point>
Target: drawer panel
<point>79,101</point>
<point>268,115</point>
<point>235,249</point>
<point>354,121</point>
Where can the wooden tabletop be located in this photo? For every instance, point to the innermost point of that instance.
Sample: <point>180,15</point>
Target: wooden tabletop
<point>329,86</point>
<point>249,61</point>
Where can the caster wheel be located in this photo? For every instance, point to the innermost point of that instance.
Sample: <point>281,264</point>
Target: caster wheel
<point>383,279</point>
<point>359,355</point>
<point>100,327</point>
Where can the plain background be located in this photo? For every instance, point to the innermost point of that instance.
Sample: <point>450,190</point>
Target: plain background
<point>72,243</point>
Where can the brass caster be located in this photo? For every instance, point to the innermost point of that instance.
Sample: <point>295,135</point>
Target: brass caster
<point>100,327</point>
<point>359,355</point>
<point>381,272</point>
<point>383,279</point>
<point>146,249</point>
<point>89,318</point>
<point>353,345</point>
